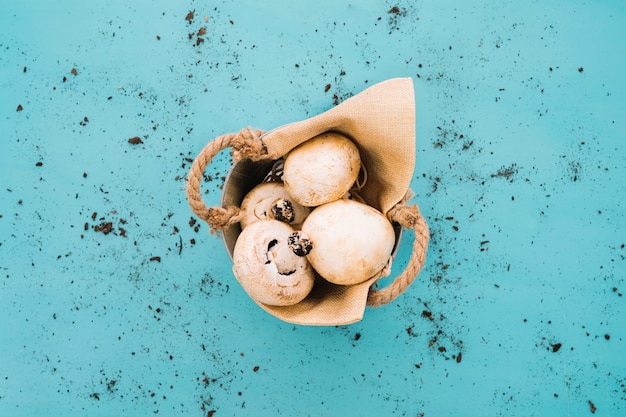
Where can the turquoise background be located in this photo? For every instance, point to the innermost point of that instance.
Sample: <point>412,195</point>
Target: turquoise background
<point>520,173</point>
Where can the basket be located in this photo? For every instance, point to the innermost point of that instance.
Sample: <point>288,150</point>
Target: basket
<point>254,154</point>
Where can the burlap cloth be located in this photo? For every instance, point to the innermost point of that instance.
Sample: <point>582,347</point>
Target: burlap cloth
<point>381,121</point>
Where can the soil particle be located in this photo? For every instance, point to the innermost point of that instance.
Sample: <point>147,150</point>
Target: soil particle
<point>104,227</point>
<point>136,140</point>
<point>506,172</point>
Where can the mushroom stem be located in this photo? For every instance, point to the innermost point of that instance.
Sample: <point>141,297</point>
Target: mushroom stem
<point>299,243</point>
<point>280,256</point>
<point>282,209</point>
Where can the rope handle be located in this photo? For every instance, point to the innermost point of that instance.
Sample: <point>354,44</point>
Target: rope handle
<point>247,144</point>
<point>408,217</point>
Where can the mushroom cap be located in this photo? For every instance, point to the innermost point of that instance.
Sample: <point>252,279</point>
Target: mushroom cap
<point>322,169</point>
<point>269,200</point>
<point>266,267</point>
<point>352,241</point>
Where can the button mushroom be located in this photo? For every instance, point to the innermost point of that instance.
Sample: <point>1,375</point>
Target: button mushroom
<point>269,200</point>
<point>322,169</point>
<point>266,264</point>
<point>352,241</point>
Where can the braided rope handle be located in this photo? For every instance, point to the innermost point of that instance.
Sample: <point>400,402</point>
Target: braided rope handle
<point>408,217</point>
<point>247,144</point>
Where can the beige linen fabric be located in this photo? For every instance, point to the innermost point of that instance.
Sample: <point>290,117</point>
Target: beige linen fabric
<point>381,121</point>
<point>327,305</point>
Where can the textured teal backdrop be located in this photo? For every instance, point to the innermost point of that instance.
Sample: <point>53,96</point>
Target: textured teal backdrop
<point>521,125</point>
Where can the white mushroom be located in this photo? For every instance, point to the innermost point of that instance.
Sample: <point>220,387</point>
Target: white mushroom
<point>351,241</point>
<point>322,169</point>
<point>269,200</point>
<point>266,264</point>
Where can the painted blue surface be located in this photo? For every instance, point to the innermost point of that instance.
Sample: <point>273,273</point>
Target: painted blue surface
<point>520,172</point>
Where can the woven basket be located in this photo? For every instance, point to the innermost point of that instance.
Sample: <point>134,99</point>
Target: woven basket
<point>328,304</point>
<point>381,122</point>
